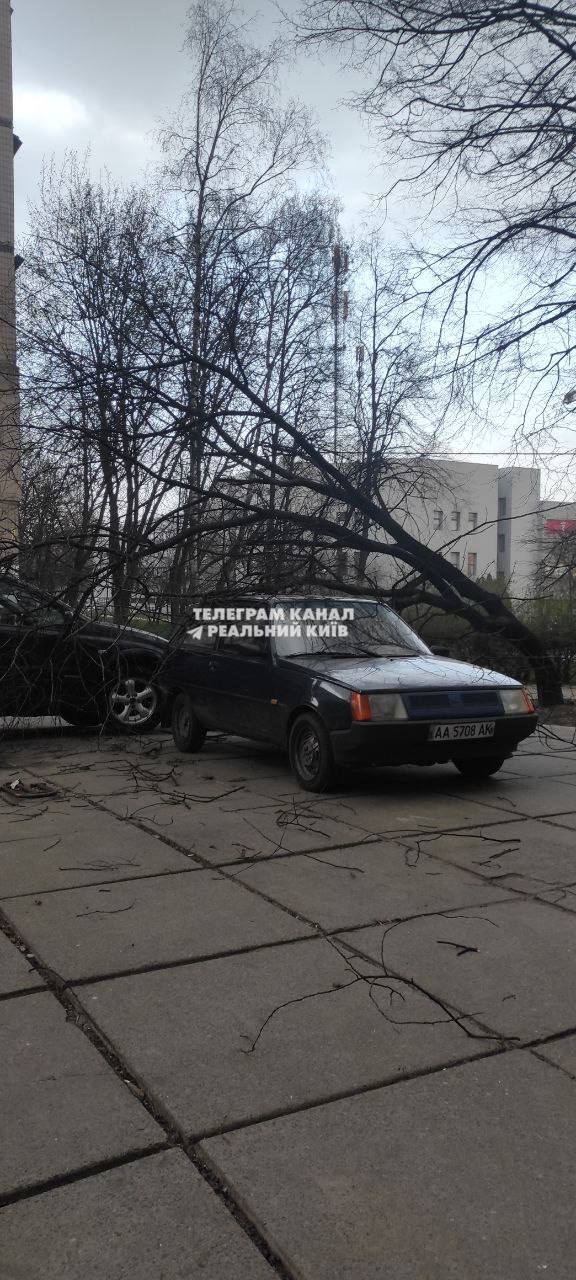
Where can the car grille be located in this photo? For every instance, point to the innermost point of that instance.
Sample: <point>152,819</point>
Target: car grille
<point>453,704</point>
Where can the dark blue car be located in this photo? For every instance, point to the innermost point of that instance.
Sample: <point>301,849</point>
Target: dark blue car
<point>334,695</point>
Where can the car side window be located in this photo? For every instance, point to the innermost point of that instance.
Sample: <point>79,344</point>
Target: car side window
<point>30,610</point>
<point>245,646</point>
<point>196,640</point>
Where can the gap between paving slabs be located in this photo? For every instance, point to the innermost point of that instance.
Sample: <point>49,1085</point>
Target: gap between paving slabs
<point>307,921</point>
<point>180,1139</point>
<point>451,1011</point>
<point>294,914</point>
<point>303,918</point>
<point>175,1133</point>
<point>279,851</point>
<point>314,923</point>
<point>77,1014</point>
<point>450,1014</point>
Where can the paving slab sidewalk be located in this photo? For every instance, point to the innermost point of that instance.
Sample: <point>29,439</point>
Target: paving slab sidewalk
<point>221,1066</point>
<point>155,1219</point>
<point>464,1175</point>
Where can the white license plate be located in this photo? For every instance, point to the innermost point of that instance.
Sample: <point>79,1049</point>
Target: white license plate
<point>467,731</point>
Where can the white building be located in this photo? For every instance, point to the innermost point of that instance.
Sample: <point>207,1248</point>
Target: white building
<point>483,518</point>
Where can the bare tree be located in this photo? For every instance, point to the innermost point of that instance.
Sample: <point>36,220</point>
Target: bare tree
<point>324,500</point>
<point>476,102</point>
<point>229,153</point>
<point>390,433</point>
<point>84,326</point>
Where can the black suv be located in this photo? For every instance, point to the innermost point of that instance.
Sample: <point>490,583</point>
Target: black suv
<point>372,694</point>
<point>53,662</point>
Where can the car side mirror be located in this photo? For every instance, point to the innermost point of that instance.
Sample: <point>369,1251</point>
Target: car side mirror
<point>440,650</point>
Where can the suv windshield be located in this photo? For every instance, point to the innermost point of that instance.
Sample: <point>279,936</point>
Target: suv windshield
<point>373,631</point>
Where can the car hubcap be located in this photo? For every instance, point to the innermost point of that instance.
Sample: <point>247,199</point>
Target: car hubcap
<point>308,753</point>
<point>133,701</point>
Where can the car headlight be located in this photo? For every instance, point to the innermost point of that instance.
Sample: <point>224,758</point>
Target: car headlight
<point>377,706</point>
<point>516,702</point>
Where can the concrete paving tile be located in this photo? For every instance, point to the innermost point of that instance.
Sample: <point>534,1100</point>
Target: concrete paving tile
<point>380,801</point>
<point>568,779</point>
<point>522,796</point>
<point>563,820</point>
<point>126,775</point>
<point>543,765</point>
<point>16,973</point>
<point>226,835</point>
<point>534,857</point>
<point>556,735</point>
<point>562,1053</point>
<point>407,808</point>
<point>512,965</point>
<point>209,765</point>
<point>84,932</point>
<point>191,1032</point>
<point>62,1106</point>
<point>372,882</point>
<point>153,1219</point>
<point>62,753</point>
<point>467,1174</point>
<point>69,843</point>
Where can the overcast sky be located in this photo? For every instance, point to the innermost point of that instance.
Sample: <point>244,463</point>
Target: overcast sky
<point>103,73</point>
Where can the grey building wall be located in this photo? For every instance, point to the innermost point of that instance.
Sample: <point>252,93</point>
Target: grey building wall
<point>482,518</point>
<point>518,528</point>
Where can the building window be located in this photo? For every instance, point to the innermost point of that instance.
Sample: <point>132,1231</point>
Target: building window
<point>455,520</point>
<point>501,541</point>
<point>438,518</point>
<point>455,559</point>
<point>472,564</point>
<point>501,508</point>
<point>472,519</point>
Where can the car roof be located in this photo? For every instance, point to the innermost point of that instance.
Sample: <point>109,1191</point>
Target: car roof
<point>264,599</point>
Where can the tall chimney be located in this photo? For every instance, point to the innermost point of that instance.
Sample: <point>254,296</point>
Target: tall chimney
<point>9,383</point>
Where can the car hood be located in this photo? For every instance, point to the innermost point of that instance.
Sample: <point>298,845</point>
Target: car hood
<point>130,635</point>
<point>422,671</point>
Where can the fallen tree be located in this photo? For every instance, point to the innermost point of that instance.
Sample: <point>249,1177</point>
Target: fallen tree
<point>428,577</point>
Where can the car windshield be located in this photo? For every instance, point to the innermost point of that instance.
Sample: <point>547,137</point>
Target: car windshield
<point>373,630</point>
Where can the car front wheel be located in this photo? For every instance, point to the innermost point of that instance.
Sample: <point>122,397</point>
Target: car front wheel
<point>188,733</point>
<point>482,767</point>
<point>134,704</point>
<point>311,754</point>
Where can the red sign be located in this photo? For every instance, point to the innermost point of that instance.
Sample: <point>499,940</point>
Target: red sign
<point>560,526</point>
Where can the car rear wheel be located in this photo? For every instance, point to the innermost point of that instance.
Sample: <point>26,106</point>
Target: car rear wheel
<point>188,733</point>
<point>482,767</point>
<point>311,754</point>
<point>134,704</point>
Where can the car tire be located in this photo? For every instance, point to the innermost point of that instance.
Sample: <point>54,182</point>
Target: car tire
<point>187,732</point>
<point>310,753</point>
<point>133,703</point>
<point>482,767</point>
